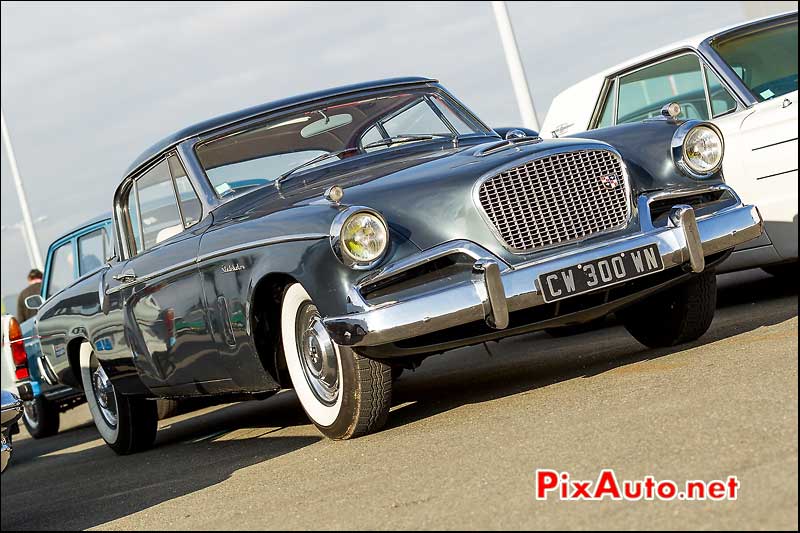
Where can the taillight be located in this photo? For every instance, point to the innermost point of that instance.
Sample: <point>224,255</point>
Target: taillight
<point>18,354</point>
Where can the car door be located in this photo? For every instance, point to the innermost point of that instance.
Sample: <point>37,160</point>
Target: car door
<point>763,168</point>
<point>164,307</point>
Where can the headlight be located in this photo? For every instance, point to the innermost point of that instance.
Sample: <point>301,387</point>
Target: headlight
<point>359,237</point>
<point>697,148</point>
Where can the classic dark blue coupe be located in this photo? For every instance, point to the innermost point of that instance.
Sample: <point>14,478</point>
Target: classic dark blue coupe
<point>328,241</point>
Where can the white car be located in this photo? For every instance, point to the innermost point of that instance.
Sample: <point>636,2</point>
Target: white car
<point>744,79</point>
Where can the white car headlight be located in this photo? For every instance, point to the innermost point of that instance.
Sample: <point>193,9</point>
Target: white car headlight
<point>359,237</point>
<point>698,148</point>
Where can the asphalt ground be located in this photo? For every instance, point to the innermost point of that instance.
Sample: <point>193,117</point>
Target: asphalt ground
<point>467,432</point>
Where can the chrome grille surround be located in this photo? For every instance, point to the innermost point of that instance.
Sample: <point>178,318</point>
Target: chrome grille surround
<point>556,198</point>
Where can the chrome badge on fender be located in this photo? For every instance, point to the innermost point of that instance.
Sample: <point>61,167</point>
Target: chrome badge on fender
<point>232,268</point>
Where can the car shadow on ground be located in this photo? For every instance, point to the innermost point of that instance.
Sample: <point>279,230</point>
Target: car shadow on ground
<point>525,363</point>
<point>192,453</point>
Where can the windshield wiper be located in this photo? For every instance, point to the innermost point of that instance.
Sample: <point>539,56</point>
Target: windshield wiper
<point>321,157</point>
<point>398,139</point>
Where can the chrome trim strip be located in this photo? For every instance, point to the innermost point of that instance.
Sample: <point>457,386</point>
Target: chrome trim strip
<point>542,155</point>
<point>260,243</point>
<point>212,255</point>
<point>437,252</point>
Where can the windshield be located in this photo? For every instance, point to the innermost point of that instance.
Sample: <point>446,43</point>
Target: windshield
<point>298,142</point>
<point>765,60</point>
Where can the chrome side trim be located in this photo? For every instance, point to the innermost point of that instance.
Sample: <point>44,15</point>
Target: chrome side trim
<point>260,243</point>
<point>218,253</point>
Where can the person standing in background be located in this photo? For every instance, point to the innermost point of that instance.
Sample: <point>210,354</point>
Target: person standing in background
<point>34,287</point>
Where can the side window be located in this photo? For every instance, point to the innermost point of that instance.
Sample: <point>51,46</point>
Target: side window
<point>418,119</point>
<point>721,100</point>
<point>190,203</point>
<point>62,269</point>
<point>92,251</point>
<point>158,209</point>
<point>131,207</point>
<point>643,93</point>
<point>461,127</point>
<point>607,113</point>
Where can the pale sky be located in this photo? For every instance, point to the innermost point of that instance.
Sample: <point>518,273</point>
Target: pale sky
<point>87,87</point>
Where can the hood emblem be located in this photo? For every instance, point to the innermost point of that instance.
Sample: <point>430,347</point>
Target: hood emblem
<point>609,181</point>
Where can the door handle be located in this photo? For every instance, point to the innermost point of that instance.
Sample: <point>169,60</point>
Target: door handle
<point>786,103</point>
<point>129,276</point>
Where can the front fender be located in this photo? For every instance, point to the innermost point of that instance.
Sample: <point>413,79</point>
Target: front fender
<point>646,149</point>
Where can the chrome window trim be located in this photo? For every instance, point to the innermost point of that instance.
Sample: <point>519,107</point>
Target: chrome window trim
<point>541,155</point>
<point>700,53</point>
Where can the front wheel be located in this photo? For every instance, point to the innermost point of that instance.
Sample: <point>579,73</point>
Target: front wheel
<point>674,316</point>
<point>128,425</point>
<point>344,394</point>
<point>41,418</point>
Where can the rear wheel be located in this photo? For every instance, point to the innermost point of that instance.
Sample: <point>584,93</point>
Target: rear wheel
<point>41,418</point>
<point>344,394</point>
<point>677,315</point>
<point>128,425</point>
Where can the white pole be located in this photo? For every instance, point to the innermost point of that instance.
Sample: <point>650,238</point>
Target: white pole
<point>23,200</point>
<point>518,80</point>
<point>21,227</point>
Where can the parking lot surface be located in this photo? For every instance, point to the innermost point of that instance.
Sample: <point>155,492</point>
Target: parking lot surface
<point>467,431</point>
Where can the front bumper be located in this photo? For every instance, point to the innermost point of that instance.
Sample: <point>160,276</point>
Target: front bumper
<point>496,289</point>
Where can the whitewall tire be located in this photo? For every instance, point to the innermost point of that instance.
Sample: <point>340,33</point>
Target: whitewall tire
<point>344,394</point>
<point>128,425</point>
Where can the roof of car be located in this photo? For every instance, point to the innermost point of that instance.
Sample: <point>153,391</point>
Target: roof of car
<point>105,217</point>
<point>244,114</point>
<point>562,108</point>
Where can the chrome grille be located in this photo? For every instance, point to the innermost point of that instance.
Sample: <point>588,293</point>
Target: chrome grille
<point>557,199</point>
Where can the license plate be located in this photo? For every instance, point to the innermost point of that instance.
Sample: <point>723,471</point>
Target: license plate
<point>599,273</point>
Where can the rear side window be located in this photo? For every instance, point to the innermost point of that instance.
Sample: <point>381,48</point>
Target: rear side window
<point>93,249</point>
<point>191,210</point>
<point>158,209</point>
<point>62,269</point>
<point>643,93</point>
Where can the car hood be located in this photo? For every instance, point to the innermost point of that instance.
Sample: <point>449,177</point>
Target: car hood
<point>426,195</point>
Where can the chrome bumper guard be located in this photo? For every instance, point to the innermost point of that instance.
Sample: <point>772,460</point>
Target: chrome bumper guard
<point>496,289</point>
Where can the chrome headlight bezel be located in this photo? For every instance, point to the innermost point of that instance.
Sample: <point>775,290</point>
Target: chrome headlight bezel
<point>338,247</point>
<point>678,149</point>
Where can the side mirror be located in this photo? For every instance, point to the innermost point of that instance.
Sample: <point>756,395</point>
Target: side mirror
<point>34,302</point>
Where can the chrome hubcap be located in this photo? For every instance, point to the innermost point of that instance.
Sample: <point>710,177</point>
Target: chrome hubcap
<point>105,395</point>
<point>318,355</point>
<point>31,413</point>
